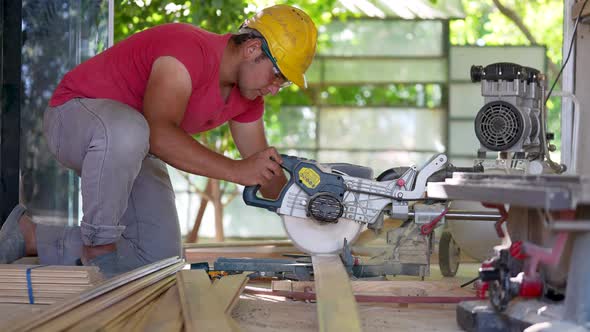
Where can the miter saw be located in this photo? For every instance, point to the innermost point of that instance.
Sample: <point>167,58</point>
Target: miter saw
<point>321,205</point>
<point>324,208</point>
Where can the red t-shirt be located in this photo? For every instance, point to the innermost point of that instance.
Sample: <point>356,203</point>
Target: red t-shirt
<point>122,71</point>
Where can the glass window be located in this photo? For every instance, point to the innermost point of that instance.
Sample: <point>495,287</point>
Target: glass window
<point>378,161</point>
<point>347,71</point>
<point>381,128</point>
<point>385,38</point>
<point>465,100</point>
<point>463,57</point>
<point>292,127</point>
<point>57,35</point>
<point>409,95</point>
<point>462,139</point>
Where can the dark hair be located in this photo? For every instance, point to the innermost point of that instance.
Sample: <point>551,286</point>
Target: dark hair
<point>245,34</point>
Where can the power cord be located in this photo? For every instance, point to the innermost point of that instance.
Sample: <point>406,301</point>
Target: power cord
<point>569,52</point>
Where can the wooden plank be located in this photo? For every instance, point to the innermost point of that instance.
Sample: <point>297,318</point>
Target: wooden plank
<point>123,309</point>
<point>229,289</point>
<point>201,308</point>
<point>135,279</point>
<point>45,287</point>
<point>98,304</point>
<point>204,305</point>
<point>38,293</point>
<point>48,269</point>
<point>46,280</point>
<point>275,243</point>
<point>336,305</point>
<point>384,288</point>
<point>210,254</point>
<point>11,311</point>
<point>25,300</point>
<point>167,314</point>
<point>129,323</point>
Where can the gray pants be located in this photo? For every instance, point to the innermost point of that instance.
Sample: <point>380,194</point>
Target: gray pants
<point>127,197</point>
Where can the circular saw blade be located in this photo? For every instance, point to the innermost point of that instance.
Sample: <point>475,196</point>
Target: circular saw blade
<point>314,238</point>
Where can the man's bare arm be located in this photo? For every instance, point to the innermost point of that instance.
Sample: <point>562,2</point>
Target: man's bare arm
<point>250,139</point>
<point>166,97</point>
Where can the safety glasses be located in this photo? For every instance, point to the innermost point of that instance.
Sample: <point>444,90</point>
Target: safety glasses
<point>279,79</point>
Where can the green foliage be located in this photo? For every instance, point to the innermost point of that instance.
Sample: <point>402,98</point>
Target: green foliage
<point>396,95</point>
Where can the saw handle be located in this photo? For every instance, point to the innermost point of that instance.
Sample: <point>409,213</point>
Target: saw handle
<point>250,198</point>
<point>250,192</point>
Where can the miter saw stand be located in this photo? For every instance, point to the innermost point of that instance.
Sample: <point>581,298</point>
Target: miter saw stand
<point>407,249</point>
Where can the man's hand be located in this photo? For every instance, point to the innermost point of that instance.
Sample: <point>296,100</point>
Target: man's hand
<point>260,168</point>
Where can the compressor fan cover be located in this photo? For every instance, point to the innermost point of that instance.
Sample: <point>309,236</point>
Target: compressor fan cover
<point>498,126</point>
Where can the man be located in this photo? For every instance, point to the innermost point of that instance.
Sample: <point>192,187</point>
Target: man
<point>118,117</point>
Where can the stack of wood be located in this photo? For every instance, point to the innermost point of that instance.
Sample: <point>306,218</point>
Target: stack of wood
<point>157,297</point>
<point>47,284</point>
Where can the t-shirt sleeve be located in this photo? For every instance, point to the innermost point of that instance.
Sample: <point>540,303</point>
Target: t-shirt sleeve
<point>252,113</point>
<point>191,56</point>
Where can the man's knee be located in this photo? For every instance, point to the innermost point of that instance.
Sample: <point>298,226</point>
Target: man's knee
<point>129,138</point>
<point>99,235</point>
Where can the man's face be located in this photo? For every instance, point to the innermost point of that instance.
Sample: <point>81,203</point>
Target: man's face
<point>257,76</point>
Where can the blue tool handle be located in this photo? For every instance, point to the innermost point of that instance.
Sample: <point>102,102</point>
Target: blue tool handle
<point>250,197</point>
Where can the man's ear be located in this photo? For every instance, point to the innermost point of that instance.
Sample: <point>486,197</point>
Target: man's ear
<point>252,48</point>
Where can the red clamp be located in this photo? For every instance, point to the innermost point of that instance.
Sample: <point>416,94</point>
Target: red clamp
<point>517,251</point>
<point>481,288</point>
<point>531,287</point>
<point>503,217</point>
<point>426,229</point>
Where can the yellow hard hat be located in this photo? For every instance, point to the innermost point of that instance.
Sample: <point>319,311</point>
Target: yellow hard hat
<point>291,36</point>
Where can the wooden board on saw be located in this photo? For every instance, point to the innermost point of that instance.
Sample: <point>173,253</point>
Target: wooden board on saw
<point>336,305</point>
<point>195,253</point>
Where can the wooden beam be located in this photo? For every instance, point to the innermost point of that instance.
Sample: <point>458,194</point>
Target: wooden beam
<point>336,305</point>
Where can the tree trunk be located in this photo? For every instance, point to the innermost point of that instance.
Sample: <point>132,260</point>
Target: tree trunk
<point>216,200</point>
<point>194,234</point>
